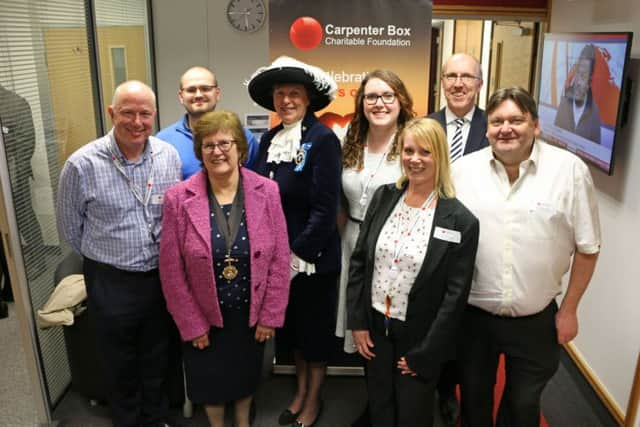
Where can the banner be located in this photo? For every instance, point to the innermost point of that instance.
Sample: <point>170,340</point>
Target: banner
<point>349,38</point>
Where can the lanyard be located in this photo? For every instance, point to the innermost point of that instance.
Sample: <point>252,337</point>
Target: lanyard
<point>228,228</point>
<point>387,314</point>
<point>144,200</point>
<point>369,177</point>
<point>401,238</point>
<point>399,244</point>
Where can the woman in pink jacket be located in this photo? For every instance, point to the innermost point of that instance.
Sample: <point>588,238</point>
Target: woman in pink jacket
<point>224,265</point>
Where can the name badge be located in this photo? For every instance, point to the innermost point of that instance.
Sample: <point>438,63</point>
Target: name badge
<point>545,209</point>
<point>447,235</point>
<point>157,199</point>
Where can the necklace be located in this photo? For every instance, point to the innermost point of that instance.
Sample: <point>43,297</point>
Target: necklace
<point>229,228</point>
<point>364,197</point>
<point>402,235</point>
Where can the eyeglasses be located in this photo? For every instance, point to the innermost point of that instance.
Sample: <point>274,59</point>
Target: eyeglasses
<point>192,90</point>
<point>372,98</point>
<point>224,146</point>
<point>464,78</point>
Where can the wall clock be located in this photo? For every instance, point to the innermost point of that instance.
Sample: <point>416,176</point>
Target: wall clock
<point>246,15</point>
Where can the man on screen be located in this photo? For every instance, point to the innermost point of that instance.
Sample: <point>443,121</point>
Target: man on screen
<point>577,112</point>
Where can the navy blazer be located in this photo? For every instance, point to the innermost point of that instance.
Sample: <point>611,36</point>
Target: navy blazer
<point>477,138</point>
<point>310,195</point>
<point>438,295</point>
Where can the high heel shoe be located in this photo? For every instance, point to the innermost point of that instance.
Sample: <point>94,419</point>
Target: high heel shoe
<point>287,417</point>
<point>297,423</point>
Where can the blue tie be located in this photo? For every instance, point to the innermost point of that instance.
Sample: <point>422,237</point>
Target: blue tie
<point>456,143</point>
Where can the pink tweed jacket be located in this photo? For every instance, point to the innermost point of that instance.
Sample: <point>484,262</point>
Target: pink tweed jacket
<point>186,265</point>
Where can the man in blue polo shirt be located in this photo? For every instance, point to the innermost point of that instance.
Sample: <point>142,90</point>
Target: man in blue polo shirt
<point>199,93</point>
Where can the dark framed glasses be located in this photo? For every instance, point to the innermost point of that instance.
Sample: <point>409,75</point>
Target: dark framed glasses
<point>372,98</point>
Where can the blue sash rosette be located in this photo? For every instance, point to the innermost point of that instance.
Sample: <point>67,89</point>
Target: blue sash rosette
<point>301,156</point>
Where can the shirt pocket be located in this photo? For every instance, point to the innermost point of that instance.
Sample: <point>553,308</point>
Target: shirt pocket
<point>543,220</point>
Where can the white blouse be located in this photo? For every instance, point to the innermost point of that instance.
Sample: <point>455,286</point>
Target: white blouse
<point>360,185</point>
<point>400,252</point>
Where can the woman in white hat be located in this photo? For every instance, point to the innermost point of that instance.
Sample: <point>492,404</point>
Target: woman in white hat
<point>303,156</point>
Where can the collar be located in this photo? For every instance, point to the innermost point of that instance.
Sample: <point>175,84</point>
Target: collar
<point>534,156</point>
<point>184,126</point>
<point>146,153</point>
<point>450,116</point>
<point>285,143</point>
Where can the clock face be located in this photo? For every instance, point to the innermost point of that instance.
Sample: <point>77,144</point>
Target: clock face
<point>246,15</point>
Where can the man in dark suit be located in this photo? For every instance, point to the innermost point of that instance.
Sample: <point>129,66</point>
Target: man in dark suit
<point>461,83</point>
<point>466,126</point>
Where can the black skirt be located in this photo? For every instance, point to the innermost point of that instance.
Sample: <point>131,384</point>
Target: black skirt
<point>310,317</point>
<point>230,368</point>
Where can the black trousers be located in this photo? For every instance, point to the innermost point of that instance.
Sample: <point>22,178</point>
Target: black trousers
<point>532,355</point>
<point>395,400</point>
<point>128,314</point>
<point>448,380</point>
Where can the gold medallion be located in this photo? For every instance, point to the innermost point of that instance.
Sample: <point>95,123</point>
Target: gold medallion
<point>230,272</point>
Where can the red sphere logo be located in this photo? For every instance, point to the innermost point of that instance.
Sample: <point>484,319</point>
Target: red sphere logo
<point>305,33</point>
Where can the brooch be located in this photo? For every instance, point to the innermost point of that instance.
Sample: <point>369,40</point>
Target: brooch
<point>301,156</point>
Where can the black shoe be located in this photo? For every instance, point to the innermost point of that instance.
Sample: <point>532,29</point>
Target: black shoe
<point>449,410</point>
<point>363,420</point>
<point>287,417</point>
<point>297,423</point>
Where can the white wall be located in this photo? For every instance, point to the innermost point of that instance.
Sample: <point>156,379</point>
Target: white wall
<point>196,32</point>
<point>609,338</point>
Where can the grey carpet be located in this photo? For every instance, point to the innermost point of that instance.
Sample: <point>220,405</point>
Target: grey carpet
<point>16,394</point>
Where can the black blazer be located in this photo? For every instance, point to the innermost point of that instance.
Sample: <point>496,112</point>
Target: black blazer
<point>477,139</point>
<point>309,195</point>
<point>441,289</point>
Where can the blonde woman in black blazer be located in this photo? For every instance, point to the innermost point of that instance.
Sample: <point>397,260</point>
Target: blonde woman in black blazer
<point>410,276</point>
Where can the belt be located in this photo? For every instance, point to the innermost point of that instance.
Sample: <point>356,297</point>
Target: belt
<point>149,273</point>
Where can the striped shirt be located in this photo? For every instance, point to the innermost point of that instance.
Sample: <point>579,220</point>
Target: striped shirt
<point>98,213</point>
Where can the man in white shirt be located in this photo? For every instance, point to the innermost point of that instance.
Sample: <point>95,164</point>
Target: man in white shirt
<point>537,208</point>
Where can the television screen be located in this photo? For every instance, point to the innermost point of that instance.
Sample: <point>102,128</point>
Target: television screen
<point>581,84</point>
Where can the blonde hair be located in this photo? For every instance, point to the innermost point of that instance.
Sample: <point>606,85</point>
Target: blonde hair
<point>429,135</point>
